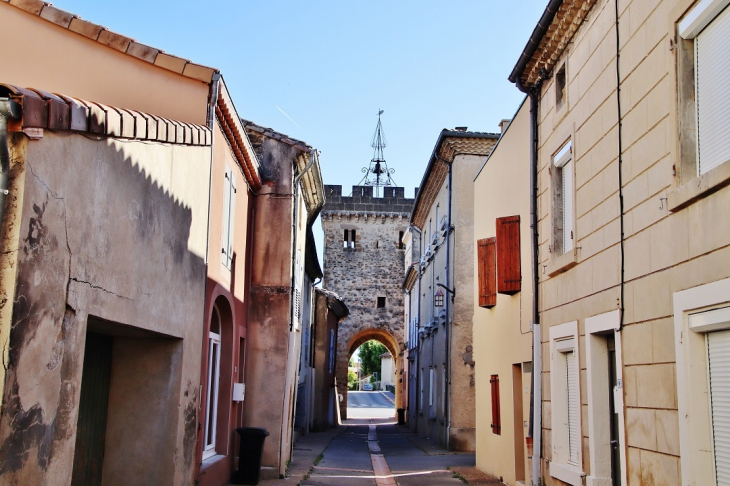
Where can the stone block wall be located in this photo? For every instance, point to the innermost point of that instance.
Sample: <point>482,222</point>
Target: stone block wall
<point>371,269</point>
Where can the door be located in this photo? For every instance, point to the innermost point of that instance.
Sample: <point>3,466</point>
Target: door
<point>93,403</point>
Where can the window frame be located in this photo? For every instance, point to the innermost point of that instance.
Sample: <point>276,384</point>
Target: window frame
<point>690,338</point>
<point>562,160</point>
<point>564,339</point>
<point>212,389</point>
<point>229,212</point>
<point>693,185</point>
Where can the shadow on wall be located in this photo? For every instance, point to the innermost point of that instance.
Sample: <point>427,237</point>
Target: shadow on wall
<point>103,244</point>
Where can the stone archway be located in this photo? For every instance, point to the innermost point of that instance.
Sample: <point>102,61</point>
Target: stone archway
<point>348,345</point>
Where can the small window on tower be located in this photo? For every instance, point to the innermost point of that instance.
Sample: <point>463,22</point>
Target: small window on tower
<point>381,302</point>
<point>344,242</point>
<point>353,239</point>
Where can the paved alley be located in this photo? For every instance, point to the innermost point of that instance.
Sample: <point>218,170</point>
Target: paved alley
<point>374,452</point>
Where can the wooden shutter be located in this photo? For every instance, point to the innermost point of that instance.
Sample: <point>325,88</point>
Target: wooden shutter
<point>486,271</point>
<point>496,418</point>
<point>713,102</point>
<point>229,205</point>
<point>718,354</point>
<point>509,273</point>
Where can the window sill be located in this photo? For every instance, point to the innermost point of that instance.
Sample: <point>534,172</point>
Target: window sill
<point>699,187</point>
<point>562,263</point>
<point>566,473</point>
<point>211,460</point>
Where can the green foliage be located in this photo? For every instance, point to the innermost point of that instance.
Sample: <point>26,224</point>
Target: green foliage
<point>370,353</point>
<point>351,380</point>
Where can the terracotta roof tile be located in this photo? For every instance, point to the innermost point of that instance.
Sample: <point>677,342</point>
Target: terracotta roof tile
<point>114,40</point>
<point>87,29</point>
<point>31,6</point>
<point>55,111</point>
<point>197,71</point>
<point>172,63</point>
<point>143,52</point>
<point>57,16</point>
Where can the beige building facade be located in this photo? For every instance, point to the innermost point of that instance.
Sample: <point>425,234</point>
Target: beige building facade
<point>440,290</point>
<point>502,317</point>
<point>632,183</point>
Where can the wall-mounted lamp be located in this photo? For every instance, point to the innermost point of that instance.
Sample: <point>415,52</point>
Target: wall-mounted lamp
<point>452,292</point>
<point>438,298</point>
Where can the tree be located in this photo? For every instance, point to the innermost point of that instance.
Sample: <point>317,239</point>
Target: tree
<point>351,380</point>
<point>370,353</point>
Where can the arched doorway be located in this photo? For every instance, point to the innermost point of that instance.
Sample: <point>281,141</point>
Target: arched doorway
<point>381,336</point>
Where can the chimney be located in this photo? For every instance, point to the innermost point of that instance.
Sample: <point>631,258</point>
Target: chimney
<point>503,125</point>
<point>460,129</point>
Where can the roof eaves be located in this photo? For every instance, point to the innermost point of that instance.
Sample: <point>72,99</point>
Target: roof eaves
<point>445,134</point>
<point>54,111</point>
<point>119,42</point>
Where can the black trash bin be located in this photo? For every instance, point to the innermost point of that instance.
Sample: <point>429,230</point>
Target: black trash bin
<point>401,416</point>
<point>249,457</point>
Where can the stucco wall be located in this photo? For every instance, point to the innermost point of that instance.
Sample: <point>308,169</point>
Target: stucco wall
<point>666,250</point>
<point>502,336</point>
<point>48,57</point>
<point>117,231</point>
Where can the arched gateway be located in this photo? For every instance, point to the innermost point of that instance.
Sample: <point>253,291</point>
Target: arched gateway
<point>363,263</point>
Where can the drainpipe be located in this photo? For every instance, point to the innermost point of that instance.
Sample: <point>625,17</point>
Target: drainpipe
<point>535,429</point>
<point>418,339</point>
<point>447,344</point>
<point>8,109</point>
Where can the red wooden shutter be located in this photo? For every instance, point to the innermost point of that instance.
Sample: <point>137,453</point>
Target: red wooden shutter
<point>496,419</point>
<point>486,271</point>
<point>509,273</point>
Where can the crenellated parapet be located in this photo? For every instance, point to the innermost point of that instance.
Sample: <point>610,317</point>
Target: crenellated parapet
<point>362,200</point>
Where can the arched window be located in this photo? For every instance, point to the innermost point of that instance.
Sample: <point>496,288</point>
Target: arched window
<point>211,399</point>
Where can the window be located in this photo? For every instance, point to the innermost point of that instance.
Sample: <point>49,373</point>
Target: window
<point>706,28</point>
<point>702,342</point>
<point>563,206</point>
<point>486,272</point>
<point>401,245</point>
<point>509,273</point>
<point>211,399</point>
<point>560,86</point>
<point>381,302</point>
<point>350,239</point>
<point>496,415</point>
<point>566,462</point>
<point>229,206</point>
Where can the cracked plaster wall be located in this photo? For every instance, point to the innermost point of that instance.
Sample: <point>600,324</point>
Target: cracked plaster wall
<point>114,230</point>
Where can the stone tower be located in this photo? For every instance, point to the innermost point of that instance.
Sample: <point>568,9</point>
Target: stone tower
<point>363,263</point>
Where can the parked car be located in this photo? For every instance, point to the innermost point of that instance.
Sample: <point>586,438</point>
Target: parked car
<point>367,387</point>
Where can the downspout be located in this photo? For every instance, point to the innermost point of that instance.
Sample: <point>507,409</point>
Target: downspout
<point>620,170</point>
<point>535,428</point>
<point>8,109</point>
<point>418,338</point>
<point>447,344</point>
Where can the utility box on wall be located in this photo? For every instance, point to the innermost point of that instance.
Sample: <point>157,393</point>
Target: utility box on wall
<point>239,392</point>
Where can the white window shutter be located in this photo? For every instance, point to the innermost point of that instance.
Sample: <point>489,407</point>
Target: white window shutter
<point>226,216</point>
<point>568,187</point>
<point>712,73</point>
<point>718,353</point>
<point>574,438</point>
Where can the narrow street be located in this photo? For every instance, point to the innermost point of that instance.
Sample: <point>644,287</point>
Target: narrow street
<point>369,449</point>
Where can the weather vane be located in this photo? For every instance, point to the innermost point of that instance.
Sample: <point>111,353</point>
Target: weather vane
<point>378,174</point>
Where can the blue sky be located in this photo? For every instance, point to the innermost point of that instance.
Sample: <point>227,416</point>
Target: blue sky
<point>330,66</point>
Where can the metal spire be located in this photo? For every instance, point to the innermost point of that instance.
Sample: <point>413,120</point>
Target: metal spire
<point>378,174</point>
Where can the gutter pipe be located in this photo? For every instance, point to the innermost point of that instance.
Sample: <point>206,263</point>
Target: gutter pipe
<point>535,428</point>
<point>8,109</point>
<point>418,328</point>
